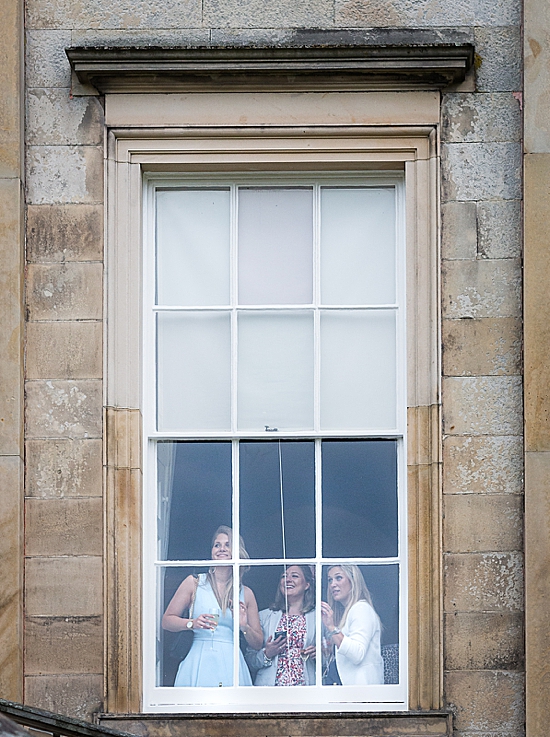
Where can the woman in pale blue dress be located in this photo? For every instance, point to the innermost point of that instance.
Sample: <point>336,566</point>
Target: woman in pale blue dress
<point>210,659</point>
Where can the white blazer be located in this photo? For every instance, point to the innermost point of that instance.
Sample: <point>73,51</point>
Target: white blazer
<point>358,658</point>
<point>265,675</point>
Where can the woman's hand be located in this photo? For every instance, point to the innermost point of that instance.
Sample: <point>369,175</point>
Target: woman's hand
<point>204,622</point>
<point>309,652</point>
<point>274,647</point>
<point>327,615</point>
<point>243,615</point>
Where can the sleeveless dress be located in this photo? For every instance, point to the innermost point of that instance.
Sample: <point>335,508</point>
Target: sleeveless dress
<point>209,662</point>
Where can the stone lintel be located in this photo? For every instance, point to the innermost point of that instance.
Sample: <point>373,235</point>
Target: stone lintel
<point>413,63</point>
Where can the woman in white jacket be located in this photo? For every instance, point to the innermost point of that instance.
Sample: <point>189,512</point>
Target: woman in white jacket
<point>353,627</point>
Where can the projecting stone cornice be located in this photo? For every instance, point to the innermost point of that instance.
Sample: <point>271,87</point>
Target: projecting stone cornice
<point>319,61</point>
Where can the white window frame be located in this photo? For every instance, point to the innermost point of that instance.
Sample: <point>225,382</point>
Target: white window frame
<point>245,698</point>
<point>228,146</point>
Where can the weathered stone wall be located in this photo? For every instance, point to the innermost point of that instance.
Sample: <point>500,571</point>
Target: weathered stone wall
<point>481,305</point>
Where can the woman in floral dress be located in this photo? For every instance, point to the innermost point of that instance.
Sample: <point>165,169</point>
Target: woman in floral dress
<point>289,658</point>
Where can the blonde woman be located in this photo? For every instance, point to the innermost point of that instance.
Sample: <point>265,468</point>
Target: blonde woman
<point>210,601</point>
<point>353,627</point>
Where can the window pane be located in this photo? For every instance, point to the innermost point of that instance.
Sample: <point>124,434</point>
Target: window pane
<point>194,371</point>
<point>275,246</point>
<point>263,518</point>
<point>194,482</point>
<point>359,498</point>
<point>193,247</point>
<point>279,589</point>
<point>203,658</point>
<point>275,371</point>
<point>372,622</point>
<point>357,246</point>
<point>358,375</point>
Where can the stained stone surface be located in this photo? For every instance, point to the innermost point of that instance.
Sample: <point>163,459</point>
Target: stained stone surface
<point>481,287</point>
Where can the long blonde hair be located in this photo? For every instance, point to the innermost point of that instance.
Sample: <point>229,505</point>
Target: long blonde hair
<point>359,592</point>
<point>225,599</point>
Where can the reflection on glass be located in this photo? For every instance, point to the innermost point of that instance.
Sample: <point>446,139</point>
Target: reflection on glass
<point>359,498</point>
<point>193,607</point>
<point>360,613</point>
<point>357,246</point>
<point>194,487</point>
<point>277,489</point>
<point>193,355</point>
<point>286,597</point>
<point>358,375</point>
<point>275,246</point>
<point>193,247</point>
<point>275,371</point>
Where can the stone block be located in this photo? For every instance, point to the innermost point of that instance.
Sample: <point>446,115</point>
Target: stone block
<point>11,62</point>
<point>141,37</point>
<point>483,465</point>
<point>55,118</point>
<point>537,77</point>
<point>499,229</point>
<point>537,567</point>
<point>64,468</point>
<point>486,703</point>
<point>79,696</point>
<point>11,576</point>
<point>486,347</point>
<point>63,174</point>
<point>66,291</point>
<point>496,13</point>
<point>64,526</point>
<point>536,303</point>
<point>12,322</point>
<point>481,171</point>
<point>64,233</point>
<point>483,641</point>
<point>46,63</point>
<point>64,409</point>
<point>258,14</point>
<point>251,36</point>
<point>64,587</point>
<point>500,54</point>
<point>124,14</point>
<point>483,405</point>
<point>459,230</point>
<point>477,523</point>
<point>468,118</point>
<point>483,582</point>
<point>414,14</point>
<point>63,645</point>
<point>64,350</point>
<point>482,288</point>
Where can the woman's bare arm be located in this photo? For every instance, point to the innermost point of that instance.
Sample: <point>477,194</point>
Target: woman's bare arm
<point>249,620</point>
<point>172,619</point>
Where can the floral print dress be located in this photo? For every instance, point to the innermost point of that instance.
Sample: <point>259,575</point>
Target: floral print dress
<point>290,665</point>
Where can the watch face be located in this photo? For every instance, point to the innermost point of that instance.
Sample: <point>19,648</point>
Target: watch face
<point>190,624</point>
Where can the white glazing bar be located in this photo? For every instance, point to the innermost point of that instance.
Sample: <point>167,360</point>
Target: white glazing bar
<point>233,298</point>
<point>318,556</point>
<point>252,562</point>
<point>316,314</point>
<point>273,308</point>
<point>236,557</point>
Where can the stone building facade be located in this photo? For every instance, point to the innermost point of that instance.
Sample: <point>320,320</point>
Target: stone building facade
<point>70,457</point>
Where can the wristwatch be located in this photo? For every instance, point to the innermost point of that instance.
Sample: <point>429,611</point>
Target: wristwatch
<point>189,624</point>
<point>267,661</point>
<point>335,631</point>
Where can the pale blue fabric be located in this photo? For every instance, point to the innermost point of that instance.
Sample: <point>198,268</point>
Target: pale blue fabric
<point>210,659</point>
